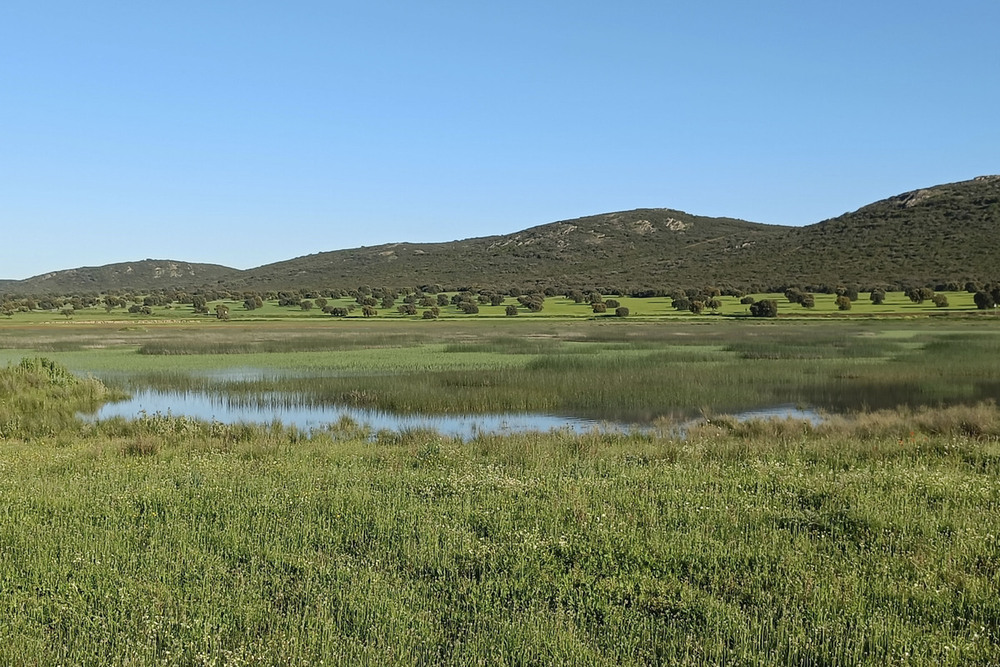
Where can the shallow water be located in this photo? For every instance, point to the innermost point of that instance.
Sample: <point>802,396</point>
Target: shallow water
<point>287,410</point>
<point>294,411</point>
<point>782,412</point>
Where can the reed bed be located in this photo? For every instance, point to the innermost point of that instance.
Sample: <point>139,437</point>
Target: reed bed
<point>622,382</point>
<point>630,372</point>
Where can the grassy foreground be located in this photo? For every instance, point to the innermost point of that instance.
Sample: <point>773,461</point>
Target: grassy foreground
<point>165,541</point>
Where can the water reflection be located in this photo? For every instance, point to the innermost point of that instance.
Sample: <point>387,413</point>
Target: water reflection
<point>307,415</point>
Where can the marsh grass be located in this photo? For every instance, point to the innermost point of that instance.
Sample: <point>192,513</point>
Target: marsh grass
<point>170,541</point>
<point>635,372</point>
<point>40,397</point>
<point>164,540</point>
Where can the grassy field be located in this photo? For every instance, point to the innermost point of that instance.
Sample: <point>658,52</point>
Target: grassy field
<point>873,538</point>
<point>558,307</point>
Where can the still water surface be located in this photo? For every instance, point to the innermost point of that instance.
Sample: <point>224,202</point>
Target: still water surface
<point>309,416</point>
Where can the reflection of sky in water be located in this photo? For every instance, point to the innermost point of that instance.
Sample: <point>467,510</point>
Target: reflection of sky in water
<point>781,412</point>
<point>289,411</point>
<point>284,408</point>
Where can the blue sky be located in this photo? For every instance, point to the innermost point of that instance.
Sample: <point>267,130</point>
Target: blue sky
<point>243,133</point>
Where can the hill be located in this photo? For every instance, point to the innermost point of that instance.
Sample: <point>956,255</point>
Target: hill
<point>644,246</point>
<point>148,274</point>
<point>946,233</point>
<point>942,234</point>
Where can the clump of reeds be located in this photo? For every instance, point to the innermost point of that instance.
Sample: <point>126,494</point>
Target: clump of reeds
<point>41,397</point>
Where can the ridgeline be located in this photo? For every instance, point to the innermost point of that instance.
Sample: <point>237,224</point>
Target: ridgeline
<point>937,235</point>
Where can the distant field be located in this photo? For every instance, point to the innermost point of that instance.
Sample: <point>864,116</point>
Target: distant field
<point>557,307</point>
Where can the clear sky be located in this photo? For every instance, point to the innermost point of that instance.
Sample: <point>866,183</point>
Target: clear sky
<point>242,133</point>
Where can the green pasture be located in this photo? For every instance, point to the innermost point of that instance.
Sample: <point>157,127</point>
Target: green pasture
<point>556,307</point>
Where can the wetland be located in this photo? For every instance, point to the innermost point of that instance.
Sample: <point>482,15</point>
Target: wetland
<point>872,537</point>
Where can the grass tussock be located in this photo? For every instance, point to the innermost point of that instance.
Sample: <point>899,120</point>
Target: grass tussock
<point>40,397</point>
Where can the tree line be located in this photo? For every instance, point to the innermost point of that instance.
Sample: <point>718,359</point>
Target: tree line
<point>427,300</point>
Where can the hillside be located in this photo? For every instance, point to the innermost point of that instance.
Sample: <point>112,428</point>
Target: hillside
<point>640,247</point>
<point>940,234</point>
<point>933,235</point>
<point>944,233</point>
<point>148,274</point>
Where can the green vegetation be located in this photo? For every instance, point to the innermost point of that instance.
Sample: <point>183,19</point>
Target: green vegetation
<point>602,369</point>
<point>868,539</point>
<point>41,398</point>
<point>166,541</point>
<point>172,307</point>
<point>872,538</point>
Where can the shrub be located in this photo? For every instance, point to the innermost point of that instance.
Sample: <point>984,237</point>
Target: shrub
<point>511,310</point>
<point>764,308</point>
<point>621,311</point>
<point>793,294</point>
<point>599,307</point>
<point>843,302</point>
<point>919,294</point>
<point>850,292</point>
<point>983,299</point>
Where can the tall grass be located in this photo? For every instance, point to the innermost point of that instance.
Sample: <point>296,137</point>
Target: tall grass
<point>39,397</point>
<point>160,540</point>
<point>167,541</point>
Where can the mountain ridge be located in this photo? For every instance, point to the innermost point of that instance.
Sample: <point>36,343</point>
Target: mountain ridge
<point>946,232</point>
